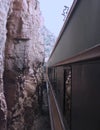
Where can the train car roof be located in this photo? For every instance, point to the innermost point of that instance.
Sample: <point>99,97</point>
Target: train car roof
<point>79,34</point>
<point>64,25</point>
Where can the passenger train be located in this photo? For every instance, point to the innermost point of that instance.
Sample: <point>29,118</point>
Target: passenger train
<point>73,70</point>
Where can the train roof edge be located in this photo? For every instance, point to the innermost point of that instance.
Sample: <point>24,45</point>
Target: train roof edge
<point>64,25</point>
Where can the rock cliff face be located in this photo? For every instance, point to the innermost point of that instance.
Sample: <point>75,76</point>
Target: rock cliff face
<point>4,7</point>
<point>21,63</point>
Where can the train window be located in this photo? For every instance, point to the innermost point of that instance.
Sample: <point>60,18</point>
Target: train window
<point>49,73</point>
<point>52,77</point>
<point>59,86</point>
<point>54,81</point>
<point>67,95</point>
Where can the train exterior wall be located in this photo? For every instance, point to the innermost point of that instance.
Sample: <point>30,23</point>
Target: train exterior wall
<point>85,110</point>
<point>79,109</point>
<point>74,69</point>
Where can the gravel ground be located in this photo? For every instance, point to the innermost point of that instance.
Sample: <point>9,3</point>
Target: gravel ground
<point>42,121</point>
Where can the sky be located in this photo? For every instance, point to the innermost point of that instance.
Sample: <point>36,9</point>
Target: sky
<point>52,12</point>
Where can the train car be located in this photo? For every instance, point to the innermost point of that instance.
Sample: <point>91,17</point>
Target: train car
<point>74,70</point>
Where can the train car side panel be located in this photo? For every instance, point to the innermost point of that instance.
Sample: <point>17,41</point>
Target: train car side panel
<point>85,96</point>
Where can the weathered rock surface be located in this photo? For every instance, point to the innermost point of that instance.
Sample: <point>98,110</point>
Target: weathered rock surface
<point>4,7</point>
<point>22,66</point>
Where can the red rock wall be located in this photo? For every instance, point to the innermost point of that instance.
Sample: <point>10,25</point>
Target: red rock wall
<point>21,57</point>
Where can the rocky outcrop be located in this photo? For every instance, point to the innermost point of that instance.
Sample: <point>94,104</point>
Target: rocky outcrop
<point>4,7</point>
<point>22,66</point>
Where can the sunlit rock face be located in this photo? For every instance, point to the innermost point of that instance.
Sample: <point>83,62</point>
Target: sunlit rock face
<point>4,7</point>
<point>24,57</point>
